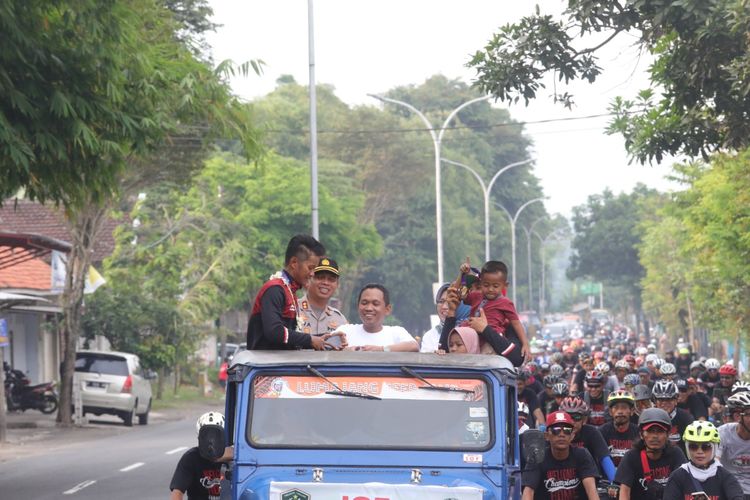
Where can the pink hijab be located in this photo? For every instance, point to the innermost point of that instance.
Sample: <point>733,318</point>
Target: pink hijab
<point>469,338</point>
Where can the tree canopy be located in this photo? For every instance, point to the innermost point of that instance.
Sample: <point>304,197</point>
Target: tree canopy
<point>86,85</point>
<point>699,95</point>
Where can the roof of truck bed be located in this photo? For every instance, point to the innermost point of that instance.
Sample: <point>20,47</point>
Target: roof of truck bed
<point>333,358</point>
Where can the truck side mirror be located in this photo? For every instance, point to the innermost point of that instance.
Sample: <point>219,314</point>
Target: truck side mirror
<point>532,447</point>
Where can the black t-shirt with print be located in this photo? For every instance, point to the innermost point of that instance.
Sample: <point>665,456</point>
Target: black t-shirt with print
<point>196,476</point>
<point>722,486</point>
<point>561,479</point>
<point>598,414</point>
<point>619,443</point>
<point>630,471</point>
<point>591,439</point>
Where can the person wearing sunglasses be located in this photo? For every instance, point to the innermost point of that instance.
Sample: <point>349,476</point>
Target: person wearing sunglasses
<point>645,469</point>
<point>565,472</point>
<point>734,448</point>
<point>727,378</point>
<point>588,436</point>
<point>702,476</point>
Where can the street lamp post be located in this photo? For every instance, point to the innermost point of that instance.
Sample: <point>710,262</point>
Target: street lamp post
<point>486,189</point>
<point>543,286</point>
<point>513,241</point>
<point>313,124</point>
<point>528,232</point>
<point>436,141</point>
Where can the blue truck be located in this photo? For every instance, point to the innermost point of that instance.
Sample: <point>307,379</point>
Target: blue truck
<point>371,426</point>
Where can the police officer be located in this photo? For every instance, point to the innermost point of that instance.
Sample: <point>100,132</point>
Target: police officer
<point>317,315</point>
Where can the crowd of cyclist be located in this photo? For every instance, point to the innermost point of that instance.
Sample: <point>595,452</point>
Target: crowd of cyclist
<point>636,423</point>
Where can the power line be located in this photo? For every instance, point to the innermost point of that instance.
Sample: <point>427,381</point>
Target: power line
<point>425,129</point>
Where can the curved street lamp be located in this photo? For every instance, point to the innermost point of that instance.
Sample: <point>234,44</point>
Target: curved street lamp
<point>528,231</point>
<point>543,287</point>
<point>513,241</point>
<point>437,137</point>
<point>486,189</point>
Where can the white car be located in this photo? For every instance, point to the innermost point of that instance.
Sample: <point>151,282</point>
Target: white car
<point>113,383</point>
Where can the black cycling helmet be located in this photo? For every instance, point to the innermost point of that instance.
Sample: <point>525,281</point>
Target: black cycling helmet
<point>664,389</point>
<point>560,389</point>
<point>551,380</point>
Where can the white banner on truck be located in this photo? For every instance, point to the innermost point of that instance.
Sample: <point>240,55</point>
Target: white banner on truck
<point>370,491</point>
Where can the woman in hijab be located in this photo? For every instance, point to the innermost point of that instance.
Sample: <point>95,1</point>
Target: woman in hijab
<point>463,340</point>
<point>703,476</point>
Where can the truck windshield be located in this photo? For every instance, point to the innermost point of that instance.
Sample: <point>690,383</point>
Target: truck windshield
<point>294,411</point>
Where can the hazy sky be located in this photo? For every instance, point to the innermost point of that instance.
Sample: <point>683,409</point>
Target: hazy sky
<point>366,47</point>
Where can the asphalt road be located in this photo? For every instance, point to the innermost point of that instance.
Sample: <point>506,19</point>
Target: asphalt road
<point>105,461</point>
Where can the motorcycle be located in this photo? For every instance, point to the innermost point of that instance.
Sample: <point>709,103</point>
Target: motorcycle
<point>21,395</point>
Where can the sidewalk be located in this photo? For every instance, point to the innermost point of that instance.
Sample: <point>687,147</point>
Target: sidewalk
<point>31,432</point>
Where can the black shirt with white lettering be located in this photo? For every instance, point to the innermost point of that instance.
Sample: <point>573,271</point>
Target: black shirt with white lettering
<point>630,471</point>
<point>619,443</point>
<point>561,479</point>
<point>198,477</point>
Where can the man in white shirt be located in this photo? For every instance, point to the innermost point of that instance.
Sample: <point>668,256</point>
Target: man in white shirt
<point>374,306</point>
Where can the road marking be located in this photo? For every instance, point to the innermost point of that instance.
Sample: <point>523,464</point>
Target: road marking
<point>176,450</point>
<point>79,487</point>
<point>131,467</point>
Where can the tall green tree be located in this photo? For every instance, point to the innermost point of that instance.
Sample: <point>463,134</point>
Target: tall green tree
<point>88,88</point>
<point>606,241</point>
<point>698,99</point>
<point>717,215</point>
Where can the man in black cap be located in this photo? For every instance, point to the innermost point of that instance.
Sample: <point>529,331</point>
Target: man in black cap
<point>317,315</point>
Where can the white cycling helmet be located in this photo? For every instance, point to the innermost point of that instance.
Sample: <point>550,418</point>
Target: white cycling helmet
<point>667,369</point>
<point>651,348</point>
<point>556,370</point>
<point>651,358</point>
<point>210,418</point>
<point>641,351</point>
<point>658,362</point>
<point>602,367</point>
<point>622,364</point>
<point>712,364</point>
<point>740,386</point>
<point>523,408</point>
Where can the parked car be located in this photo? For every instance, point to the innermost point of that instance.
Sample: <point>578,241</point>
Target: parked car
<point>113,383</point>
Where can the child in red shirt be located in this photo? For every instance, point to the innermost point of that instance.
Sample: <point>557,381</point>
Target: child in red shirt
<point>499,310</point>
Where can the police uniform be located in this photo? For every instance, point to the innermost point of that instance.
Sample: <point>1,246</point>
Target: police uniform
<point>328,321</point>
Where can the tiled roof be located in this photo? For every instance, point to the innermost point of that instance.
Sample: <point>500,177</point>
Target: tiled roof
<point>34,274</point>
<point>24,216</point>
